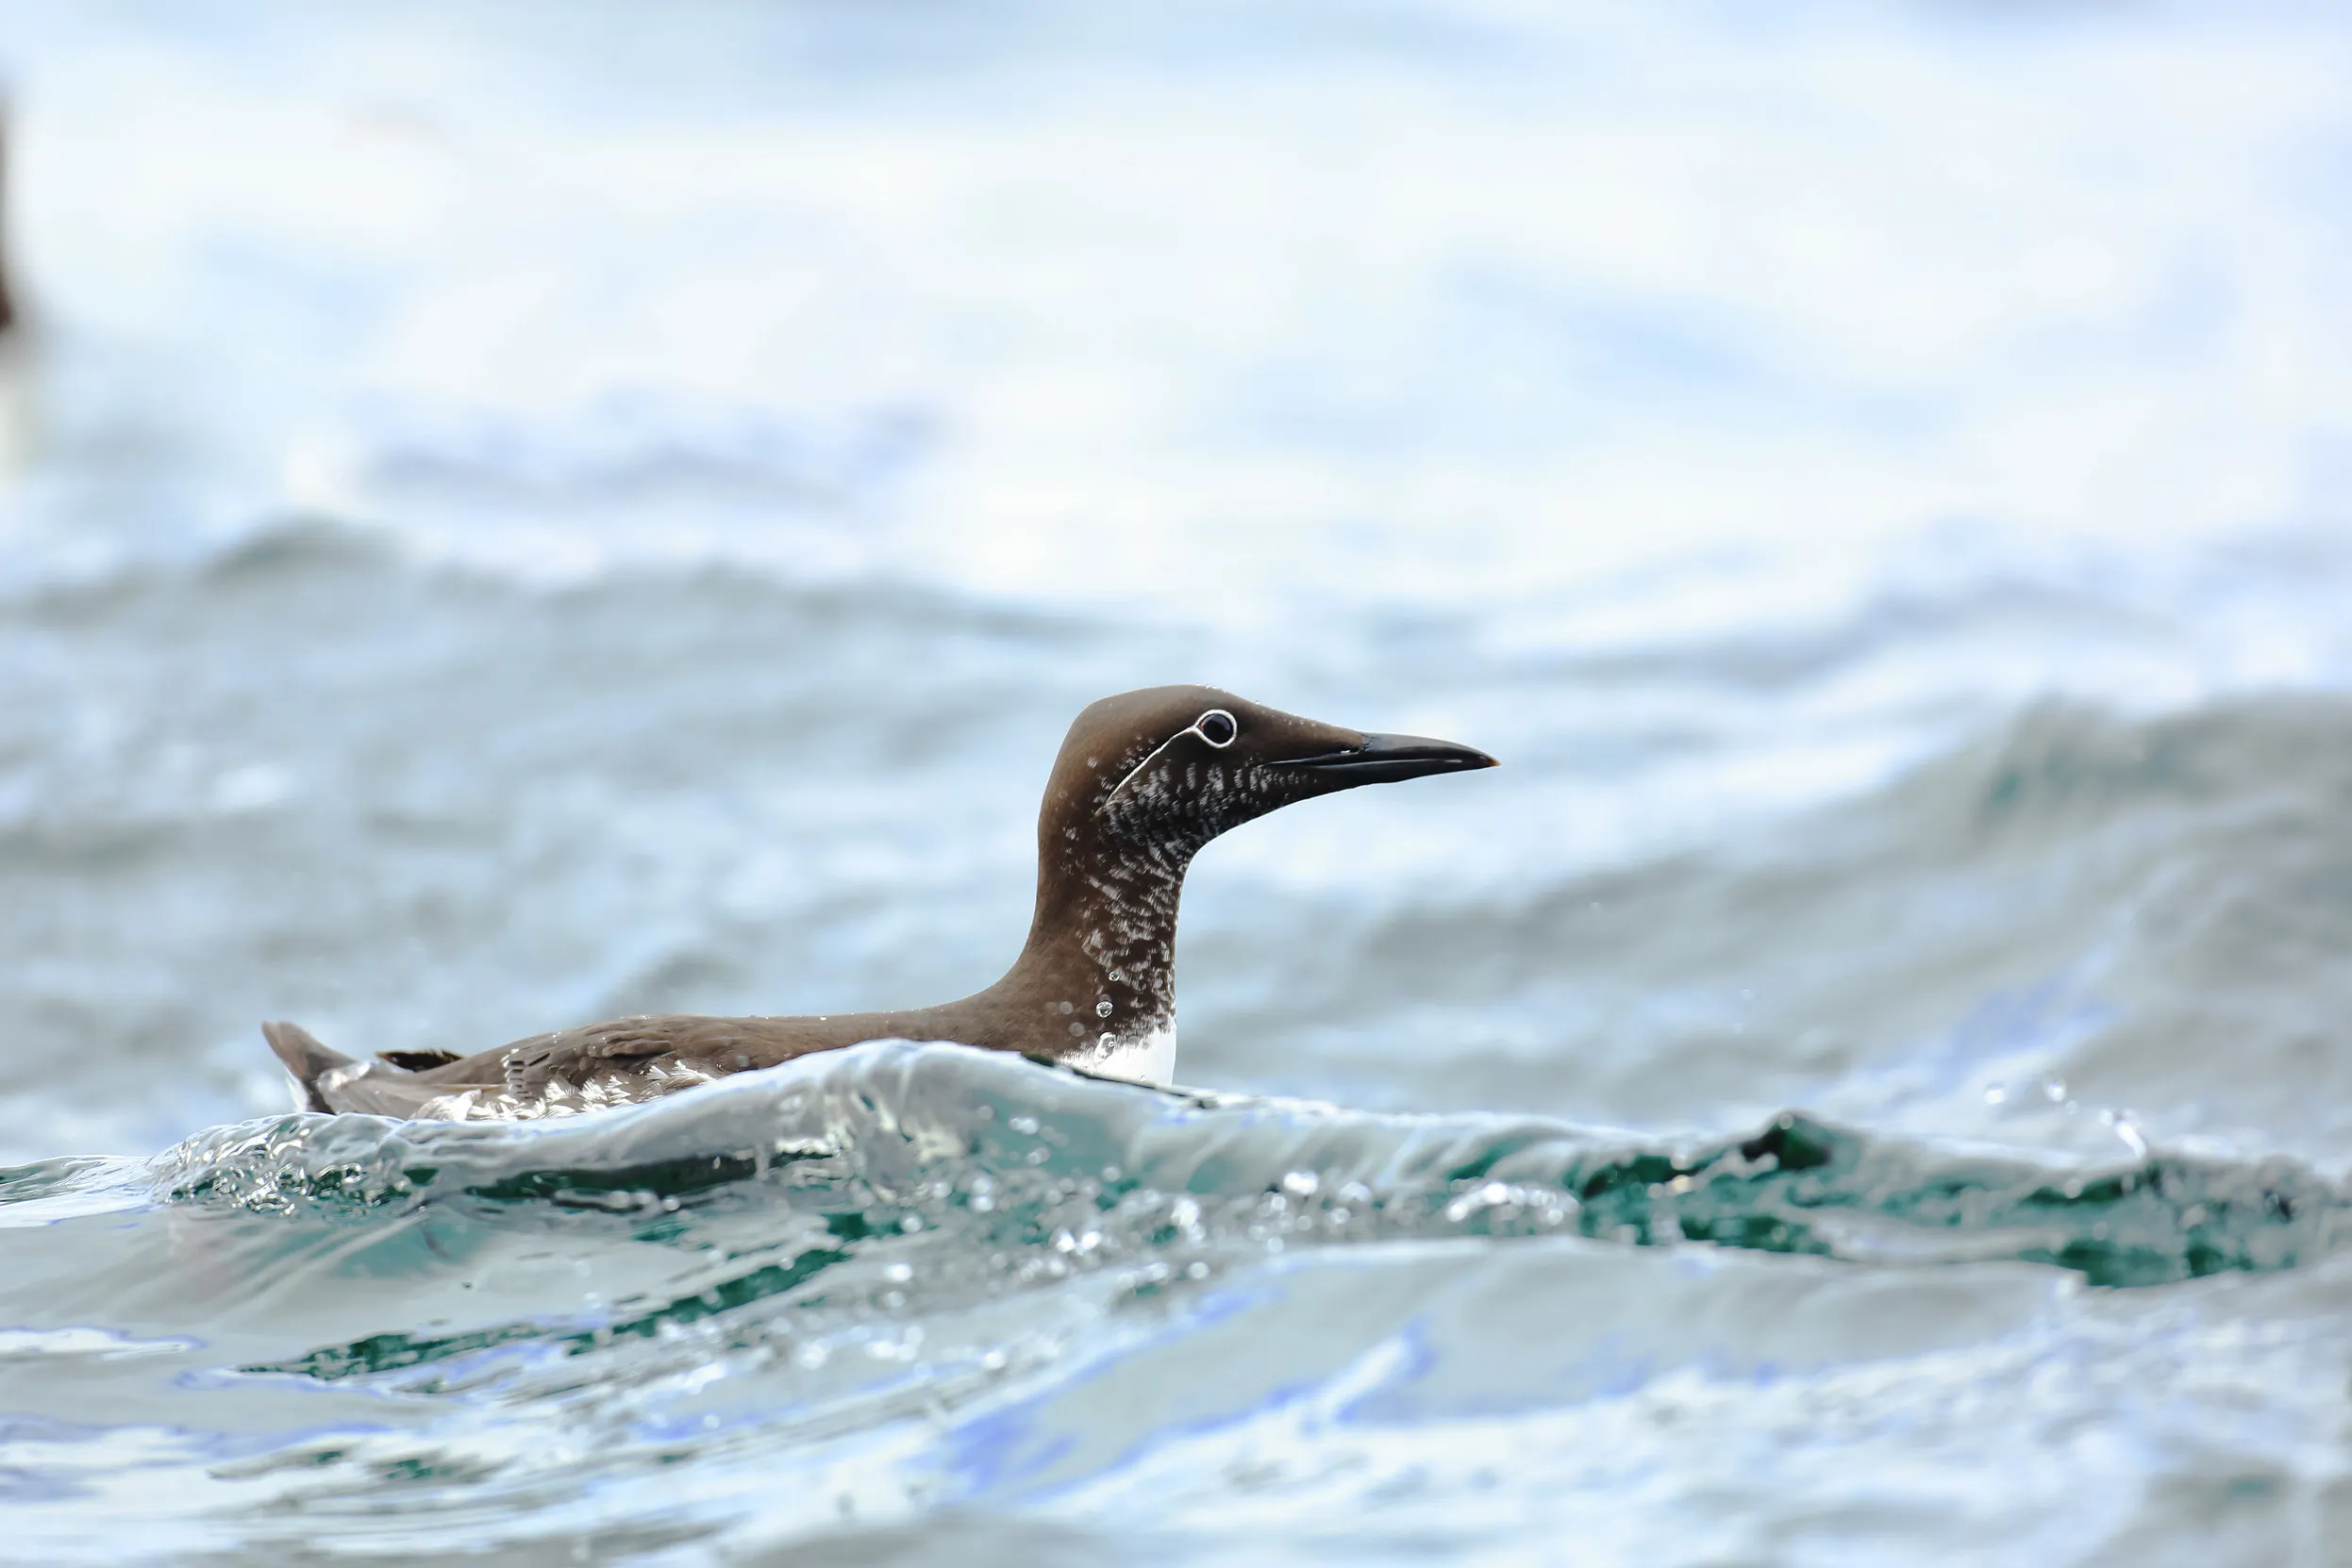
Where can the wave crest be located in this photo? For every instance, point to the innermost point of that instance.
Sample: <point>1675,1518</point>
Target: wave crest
<point>897,1140</point>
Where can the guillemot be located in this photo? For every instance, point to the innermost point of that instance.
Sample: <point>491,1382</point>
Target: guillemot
<point>1143,781</point>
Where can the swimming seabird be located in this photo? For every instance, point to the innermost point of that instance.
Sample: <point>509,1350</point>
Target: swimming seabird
<point>1143,780</point>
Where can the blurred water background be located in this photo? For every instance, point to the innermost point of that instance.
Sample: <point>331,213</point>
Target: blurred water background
<point>523,514</point>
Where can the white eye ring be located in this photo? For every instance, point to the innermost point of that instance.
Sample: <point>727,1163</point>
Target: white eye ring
<point>1233,732</point>
<point>1232,728</point>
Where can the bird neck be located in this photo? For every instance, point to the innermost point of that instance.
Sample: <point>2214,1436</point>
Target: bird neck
<point>1103,942</point>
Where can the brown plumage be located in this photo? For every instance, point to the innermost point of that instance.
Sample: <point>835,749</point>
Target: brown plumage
<point>1143,781</point>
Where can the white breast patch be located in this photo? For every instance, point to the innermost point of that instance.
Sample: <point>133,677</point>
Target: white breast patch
<point>1150,1059</point>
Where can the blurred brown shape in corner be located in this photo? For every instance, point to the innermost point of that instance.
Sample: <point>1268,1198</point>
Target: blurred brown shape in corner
<point>16,424</point>
<point>8,299</point>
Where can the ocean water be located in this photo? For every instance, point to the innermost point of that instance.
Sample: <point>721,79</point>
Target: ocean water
<point>520,514</point>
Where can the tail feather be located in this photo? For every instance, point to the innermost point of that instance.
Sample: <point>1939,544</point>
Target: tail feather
<point>305,1057</point>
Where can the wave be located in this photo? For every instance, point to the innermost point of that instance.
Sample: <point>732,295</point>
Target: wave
<point>995,1173</point>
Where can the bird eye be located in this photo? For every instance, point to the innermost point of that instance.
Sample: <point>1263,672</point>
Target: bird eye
<point>1217,727</point>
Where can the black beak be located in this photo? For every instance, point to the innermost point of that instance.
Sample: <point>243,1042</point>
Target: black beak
<point>1386,759</point>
